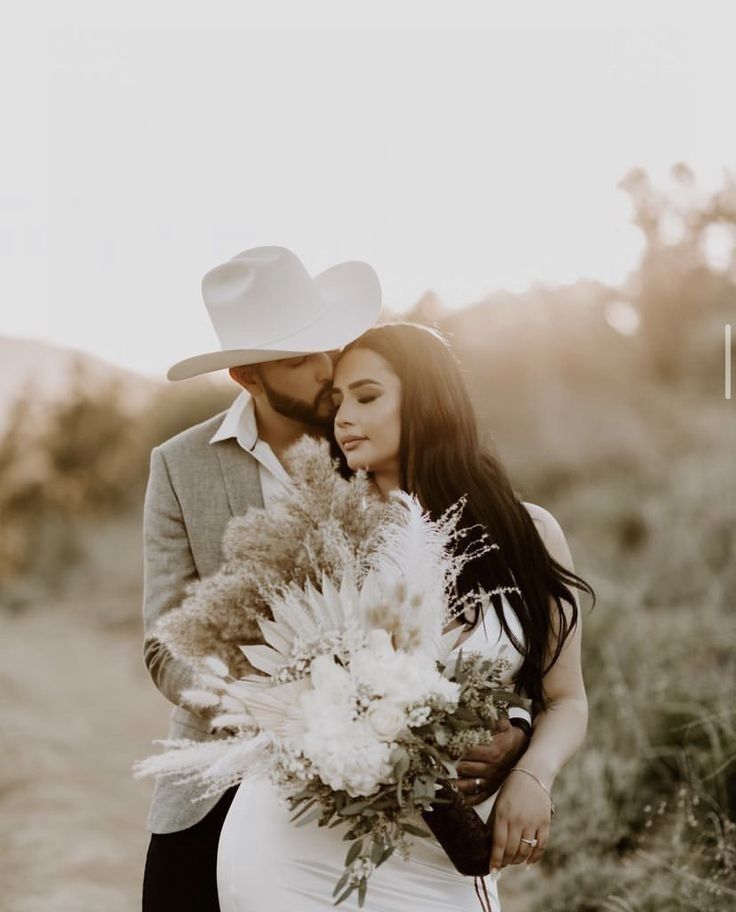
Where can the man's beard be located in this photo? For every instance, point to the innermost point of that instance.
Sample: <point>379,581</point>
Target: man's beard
<point>297,409</point>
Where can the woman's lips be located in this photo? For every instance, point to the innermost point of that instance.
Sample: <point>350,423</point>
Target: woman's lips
<point>350,443</point>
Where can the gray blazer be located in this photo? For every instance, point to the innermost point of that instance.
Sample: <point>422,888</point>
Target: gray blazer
<point>194,488</point>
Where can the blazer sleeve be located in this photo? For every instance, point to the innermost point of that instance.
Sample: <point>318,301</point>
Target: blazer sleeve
<point>168,566</point>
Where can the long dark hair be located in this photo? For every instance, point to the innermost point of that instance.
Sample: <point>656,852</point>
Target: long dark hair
<point>441,461</point>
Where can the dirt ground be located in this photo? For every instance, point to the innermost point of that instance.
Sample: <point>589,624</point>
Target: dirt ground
<point>77,711</point>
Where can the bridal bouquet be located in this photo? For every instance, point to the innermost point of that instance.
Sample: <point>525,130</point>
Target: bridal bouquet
<point>356,711</point>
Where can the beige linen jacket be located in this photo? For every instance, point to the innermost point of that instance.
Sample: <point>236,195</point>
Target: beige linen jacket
<point>194,488</point>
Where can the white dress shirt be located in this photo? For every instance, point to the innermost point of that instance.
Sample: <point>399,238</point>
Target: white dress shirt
<point>240,423</point>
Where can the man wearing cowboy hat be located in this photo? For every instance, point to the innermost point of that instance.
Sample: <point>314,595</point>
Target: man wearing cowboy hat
<point>275,324</point>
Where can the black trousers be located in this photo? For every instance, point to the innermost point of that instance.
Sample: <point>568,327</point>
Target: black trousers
<point>181,868</point>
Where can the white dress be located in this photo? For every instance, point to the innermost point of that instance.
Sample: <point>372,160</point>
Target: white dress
<point>267,864</point>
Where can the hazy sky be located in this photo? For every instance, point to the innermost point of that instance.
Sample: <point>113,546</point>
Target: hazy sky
<point>456,147</point>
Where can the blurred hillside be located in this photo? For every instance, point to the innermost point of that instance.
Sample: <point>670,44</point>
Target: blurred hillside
<point>607,406</point>
<point>39,372</point>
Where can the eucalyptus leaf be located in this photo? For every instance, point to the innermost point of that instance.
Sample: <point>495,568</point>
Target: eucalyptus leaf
<point>344,895</point>
<point>311,816</point>
<point>305,793</point>
<point>341,883</point>
<point>415,831</point>
<point>376,852</point>
<point>353,852</point>
<point>385,802</point>
<point>303,810</point>
<point>466,714</point>
<point>354,807</point>
<point>459,724</point>
<point>424,786</point>
<point>402,763</point>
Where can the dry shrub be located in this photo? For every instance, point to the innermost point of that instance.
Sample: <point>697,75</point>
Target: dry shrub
<point>79,458</point>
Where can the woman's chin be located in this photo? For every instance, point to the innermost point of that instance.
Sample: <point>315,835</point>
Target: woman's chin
<point>355,462</point>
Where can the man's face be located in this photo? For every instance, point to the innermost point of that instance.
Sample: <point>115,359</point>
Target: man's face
<point>299,388</point>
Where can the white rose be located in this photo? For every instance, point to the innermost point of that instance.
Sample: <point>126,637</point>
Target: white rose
<point>385,721</point>
<point>355,761</point>
<point>328,676</point>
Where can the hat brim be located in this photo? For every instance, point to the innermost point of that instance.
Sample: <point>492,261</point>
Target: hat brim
<point>352,295</point>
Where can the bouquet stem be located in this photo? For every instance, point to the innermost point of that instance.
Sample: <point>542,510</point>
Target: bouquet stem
<point>461,833</point>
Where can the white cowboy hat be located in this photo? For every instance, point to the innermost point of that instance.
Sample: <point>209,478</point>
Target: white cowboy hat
<point>264,305</point>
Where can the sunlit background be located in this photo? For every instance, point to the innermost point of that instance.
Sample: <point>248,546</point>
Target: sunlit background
<point>554,191</point>
<point>455,160</point>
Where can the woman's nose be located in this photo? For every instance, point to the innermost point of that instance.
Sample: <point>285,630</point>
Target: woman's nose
<point>342,417</point>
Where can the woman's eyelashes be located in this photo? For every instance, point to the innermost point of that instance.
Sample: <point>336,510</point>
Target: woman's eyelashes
<point>337,399</point>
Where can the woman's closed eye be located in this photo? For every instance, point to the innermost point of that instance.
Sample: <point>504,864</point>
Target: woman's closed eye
<point>337,398</point>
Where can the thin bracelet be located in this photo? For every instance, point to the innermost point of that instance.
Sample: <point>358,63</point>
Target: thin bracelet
<point>534,776</point>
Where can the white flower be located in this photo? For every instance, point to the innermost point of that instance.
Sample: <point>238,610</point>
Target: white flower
<point>342,749</point>
<point>385,720</point>
<point>406,679</point>
<point>418,716</point>
<point>329,677</point>
<point>351,759</point>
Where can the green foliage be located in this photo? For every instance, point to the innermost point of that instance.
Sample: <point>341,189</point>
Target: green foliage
<point>646,809</point>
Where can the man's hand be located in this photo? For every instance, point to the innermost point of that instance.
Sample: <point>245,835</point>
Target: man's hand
<point>490,763</point>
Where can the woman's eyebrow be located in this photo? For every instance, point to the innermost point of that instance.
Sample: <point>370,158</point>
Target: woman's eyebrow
<point>358,383</point>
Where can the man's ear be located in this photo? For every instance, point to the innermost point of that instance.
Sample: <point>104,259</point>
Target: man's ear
<point>247,377</point>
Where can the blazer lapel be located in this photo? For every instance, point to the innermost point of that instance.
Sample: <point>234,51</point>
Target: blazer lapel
<point>241,477</point>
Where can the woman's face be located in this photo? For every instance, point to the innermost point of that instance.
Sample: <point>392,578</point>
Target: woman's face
<point>367,395</point>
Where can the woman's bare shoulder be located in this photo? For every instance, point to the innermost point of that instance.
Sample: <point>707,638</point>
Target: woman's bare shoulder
<point>543,519</point>
<point>550,531</point>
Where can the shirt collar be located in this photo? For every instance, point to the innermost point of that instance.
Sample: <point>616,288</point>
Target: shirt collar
<point>239,422</point>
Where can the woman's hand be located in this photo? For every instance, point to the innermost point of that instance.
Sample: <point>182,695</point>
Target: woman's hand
<point>521,809</point>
